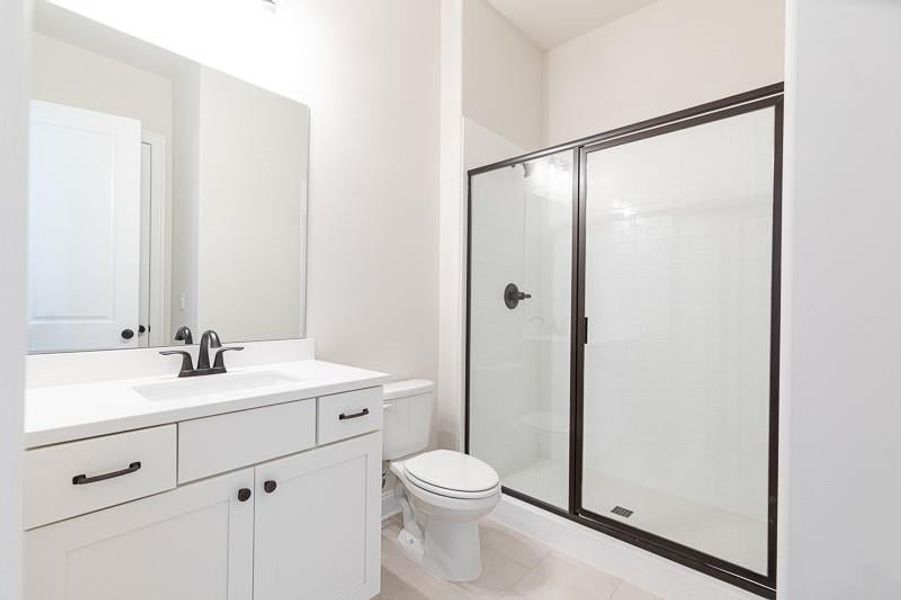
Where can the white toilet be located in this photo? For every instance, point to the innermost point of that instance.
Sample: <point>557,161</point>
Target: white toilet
<point>442,493</point>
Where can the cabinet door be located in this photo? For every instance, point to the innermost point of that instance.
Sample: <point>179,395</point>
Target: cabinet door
<point>317,532</point>
<point>192,543</point>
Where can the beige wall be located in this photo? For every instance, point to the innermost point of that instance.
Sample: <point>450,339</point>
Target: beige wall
<point>670,55</point>
<point>502,76</point>
<point>371,71</point>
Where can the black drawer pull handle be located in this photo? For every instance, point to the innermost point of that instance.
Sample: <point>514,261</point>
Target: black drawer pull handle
<point>362,413</point>
<point>84,479</point>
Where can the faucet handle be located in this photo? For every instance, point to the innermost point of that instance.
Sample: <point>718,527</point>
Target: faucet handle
<point>219,363</point>
<point>187,364</point>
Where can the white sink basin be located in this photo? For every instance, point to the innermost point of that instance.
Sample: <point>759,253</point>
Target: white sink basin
<point>214,385</point>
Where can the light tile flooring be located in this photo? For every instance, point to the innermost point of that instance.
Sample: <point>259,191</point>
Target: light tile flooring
<point>514,566</point>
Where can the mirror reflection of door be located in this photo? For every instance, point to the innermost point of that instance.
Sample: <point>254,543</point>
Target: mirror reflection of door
<point>153,207</point>
<point>84,229</point>
<point>154,317</point>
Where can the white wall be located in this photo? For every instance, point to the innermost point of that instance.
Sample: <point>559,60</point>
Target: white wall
<point>842,449</point>
<point>670,55</point>
<point>448,425</point>
<point>369,73</point>
<point>502,76</point>
<point>482,146</point>
<point>13,194</point>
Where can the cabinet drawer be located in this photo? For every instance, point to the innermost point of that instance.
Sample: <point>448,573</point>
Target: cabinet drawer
<point>79,477</point>
<point>230,441</point>
<point>349,413</point>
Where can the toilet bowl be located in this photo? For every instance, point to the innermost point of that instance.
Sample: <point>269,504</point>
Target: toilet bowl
<point>442,493</point>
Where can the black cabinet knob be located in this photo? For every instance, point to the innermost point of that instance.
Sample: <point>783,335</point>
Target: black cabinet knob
<point>243,495</point>
<point>127,334</point>
<point>269,486</point>
<point>142,329</point>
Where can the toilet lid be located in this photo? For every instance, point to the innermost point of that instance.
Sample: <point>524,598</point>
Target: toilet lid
<point>452,471</point>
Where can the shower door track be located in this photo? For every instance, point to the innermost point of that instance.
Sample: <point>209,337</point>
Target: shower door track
<point>762,98</point>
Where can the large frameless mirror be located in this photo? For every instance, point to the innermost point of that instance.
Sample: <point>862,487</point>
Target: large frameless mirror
<point>163,194</point>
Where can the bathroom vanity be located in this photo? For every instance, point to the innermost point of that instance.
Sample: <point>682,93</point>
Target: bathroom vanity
<point>260,483</point>
<point>167,199</point>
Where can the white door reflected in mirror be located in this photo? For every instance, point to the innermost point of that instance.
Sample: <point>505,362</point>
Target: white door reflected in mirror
<point>165,194</point>
<point>84,229</point>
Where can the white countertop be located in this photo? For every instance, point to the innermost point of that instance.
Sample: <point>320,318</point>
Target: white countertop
<point>64,413</point>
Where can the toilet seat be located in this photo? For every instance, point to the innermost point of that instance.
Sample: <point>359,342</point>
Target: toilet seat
<point>452,474</point>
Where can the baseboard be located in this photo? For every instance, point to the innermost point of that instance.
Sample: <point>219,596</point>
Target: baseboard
<point>646,570</point>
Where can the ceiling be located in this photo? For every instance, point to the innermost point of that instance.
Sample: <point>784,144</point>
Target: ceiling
<point>550,23</point>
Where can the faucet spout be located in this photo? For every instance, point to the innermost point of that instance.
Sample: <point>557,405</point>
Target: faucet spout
<point>209,340</point>
<point>184,335</point>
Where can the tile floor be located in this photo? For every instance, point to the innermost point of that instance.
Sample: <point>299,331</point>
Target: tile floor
<point>515,567</point>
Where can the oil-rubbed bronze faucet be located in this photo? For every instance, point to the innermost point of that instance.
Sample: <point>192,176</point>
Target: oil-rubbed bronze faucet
<point>183,334</point>
<point>210,339</point>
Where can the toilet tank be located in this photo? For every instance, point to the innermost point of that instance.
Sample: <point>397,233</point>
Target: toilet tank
<point>407,417</point>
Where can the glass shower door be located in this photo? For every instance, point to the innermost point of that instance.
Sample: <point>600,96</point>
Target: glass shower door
<point>677,360</point>
<point>520,255</point>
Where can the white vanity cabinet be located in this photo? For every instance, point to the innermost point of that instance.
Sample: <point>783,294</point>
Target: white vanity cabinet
<point>254,524</point>
<point>186,544</point>
<point>317,533</point>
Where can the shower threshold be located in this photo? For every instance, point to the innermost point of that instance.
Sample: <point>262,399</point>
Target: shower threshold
<point>709,529</point>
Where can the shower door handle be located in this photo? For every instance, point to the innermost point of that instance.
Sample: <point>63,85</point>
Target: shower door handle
<point>512,296</point>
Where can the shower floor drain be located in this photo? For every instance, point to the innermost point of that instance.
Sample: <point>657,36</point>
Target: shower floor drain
<point>622,512</point>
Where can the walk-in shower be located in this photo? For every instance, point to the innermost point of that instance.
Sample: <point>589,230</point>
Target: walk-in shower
<point>622,364</point>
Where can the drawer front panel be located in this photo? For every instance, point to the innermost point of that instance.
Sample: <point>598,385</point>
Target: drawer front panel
<point>234,440</point>
<point>79,477</point>
<point>349,414</point>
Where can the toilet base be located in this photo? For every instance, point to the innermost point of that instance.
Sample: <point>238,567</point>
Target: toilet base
<point>451,550</point>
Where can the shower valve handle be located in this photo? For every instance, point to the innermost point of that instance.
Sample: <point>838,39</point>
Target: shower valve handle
<point>512,296</point>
